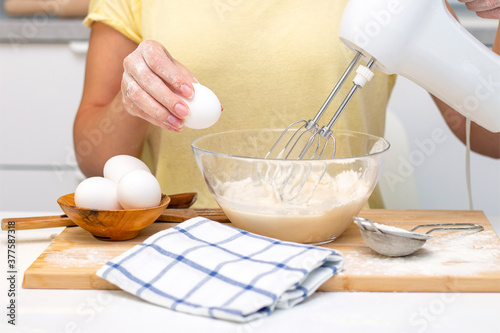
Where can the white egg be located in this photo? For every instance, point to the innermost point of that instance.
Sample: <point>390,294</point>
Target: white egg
<point>138,189</point>
<point>119,165</point>
<point>97,193</point>
<point>204,108</point>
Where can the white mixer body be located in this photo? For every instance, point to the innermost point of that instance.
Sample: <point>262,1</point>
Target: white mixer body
<point>420,40</point>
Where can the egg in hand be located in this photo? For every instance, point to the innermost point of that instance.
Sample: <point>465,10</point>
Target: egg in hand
<point>204,108</point>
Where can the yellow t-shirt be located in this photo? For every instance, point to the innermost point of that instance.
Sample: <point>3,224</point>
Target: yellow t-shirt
<point>269,62</point>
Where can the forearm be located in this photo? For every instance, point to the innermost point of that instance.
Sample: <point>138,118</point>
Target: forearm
<point>482,141</point>
<point>101,132</point>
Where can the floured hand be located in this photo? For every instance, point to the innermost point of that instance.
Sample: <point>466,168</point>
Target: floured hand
<point>152,85</point>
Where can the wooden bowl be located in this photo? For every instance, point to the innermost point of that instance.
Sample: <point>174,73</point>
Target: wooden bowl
<point>112,225</point>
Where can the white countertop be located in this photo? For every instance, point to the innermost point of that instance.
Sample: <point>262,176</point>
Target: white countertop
<point>48,310</point>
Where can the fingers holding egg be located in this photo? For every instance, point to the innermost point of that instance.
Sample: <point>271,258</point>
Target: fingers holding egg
<point>201,111</point>
<point>140,103</point>
<point>169,70</point>
<point>159,89</point>
<point>151,83</point>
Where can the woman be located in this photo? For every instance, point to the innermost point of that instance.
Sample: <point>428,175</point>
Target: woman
<point>269,69</point>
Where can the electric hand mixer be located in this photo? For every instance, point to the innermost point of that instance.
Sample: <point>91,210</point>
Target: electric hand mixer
<point>418,39</point>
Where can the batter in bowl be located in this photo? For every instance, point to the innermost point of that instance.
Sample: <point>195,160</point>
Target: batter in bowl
<point>252,206</point>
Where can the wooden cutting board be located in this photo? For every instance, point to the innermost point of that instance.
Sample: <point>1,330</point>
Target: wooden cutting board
<point>456,261</point>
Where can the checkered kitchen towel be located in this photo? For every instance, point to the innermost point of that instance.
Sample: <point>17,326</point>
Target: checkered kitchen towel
<point>208,268</point>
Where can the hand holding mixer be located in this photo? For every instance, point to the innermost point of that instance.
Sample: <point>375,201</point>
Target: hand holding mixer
<point>418,39</point>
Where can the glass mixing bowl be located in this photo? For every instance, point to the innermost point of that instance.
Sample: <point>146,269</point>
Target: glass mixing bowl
<point>306,201</point>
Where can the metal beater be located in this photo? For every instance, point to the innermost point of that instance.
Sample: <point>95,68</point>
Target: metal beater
<point>288,181</point>
<point>322,134</point>
<point>419,40</point>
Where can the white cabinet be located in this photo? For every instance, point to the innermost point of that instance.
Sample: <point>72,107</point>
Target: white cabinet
<point>40,90</point>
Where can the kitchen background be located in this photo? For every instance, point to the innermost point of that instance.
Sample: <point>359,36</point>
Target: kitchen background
<point>42,61</point>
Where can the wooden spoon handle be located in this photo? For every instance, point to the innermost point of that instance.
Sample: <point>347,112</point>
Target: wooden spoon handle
<point>181,215</point>
<point>37,222</point>
<point>177,201</point>
<point>174,215</point>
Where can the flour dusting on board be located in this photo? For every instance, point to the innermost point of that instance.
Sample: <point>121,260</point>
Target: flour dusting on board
<point>77,257</point>
<point>455,253</point>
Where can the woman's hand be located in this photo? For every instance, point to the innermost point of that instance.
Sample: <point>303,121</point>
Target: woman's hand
<point>152,85</point>
<point>489,9</point>
<point>127,87</point>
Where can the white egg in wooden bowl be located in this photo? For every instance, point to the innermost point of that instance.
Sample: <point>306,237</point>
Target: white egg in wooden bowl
<point>138,189</point>
<point>112,225</point>
<point>119,205</point>
<point>119,165</point>
<point>97,193</point>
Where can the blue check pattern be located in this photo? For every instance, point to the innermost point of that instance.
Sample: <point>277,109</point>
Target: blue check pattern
<point>212,269</point>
